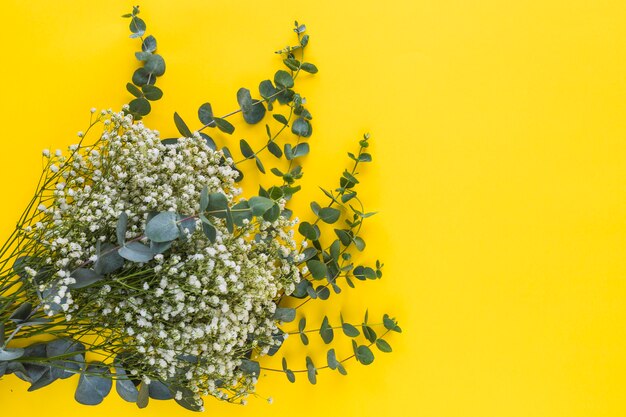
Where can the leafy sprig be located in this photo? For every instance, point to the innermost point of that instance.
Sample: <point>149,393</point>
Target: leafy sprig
<point>144,78</point>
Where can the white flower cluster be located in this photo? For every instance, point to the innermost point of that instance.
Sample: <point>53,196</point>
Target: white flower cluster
<point>191,313</point>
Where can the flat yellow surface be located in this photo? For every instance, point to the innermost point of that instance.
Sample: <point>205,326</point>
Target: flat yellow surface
<point>499,139</point>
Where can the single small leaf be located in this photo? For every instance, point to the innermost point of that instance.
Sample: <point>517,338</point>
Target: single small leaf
<point>267,90</point>
<point>85,277</point>
<point>182,126</point>
<point>224,125</point>
<point>329,215</point>
<point>133,90</point>
<point>155,64</point>
<point>93,385</point>
<point>159,391</point>
<point>318,269</point>
<point>152,92</point>
<point>139,106</point>
<point>136,252</point>
<point>364,355</point>
<point>280,118</point>
<point>311,371</point>
<point>285,315</point>
<point>302,127</point>
<point>205,114</point>
<point>108,259</point>
<point>21,313</point>
<point>143,397</point>
<point>143,77</point>
<point>331,359</point>
<point>260,205</point>
<point>162,227</point>
<point>283,79</point>
<point>326,331</point>
<point>204,198</point>
<point>349,330</point>
<point>120,229</point>
<point>149,44</point>
<point>9,354</point>
<point>249,367</point>
<point>246,150</point>
<point>308,67</point>
<point>383,346</point>
<point>137,26</point>
<point>300,149</point>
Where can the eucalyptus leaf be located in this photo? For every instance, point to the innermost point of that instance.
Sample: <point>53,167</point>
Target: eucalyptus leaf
<point>137,26</point>
<point>267,90</point>
<point>280,118</point>
<point>94,384</point>
<point>311,371</point>
<point>162,227</point>
<point>329,215</point>
<point>308,67</point>
<point>142,77</point>
<point>331,359</point>
<point>205,114</point>
<point>299,150</point>
<point>120,229</point>
<point>302,127</point>
<point>253,110</point>
<point>143,397</point>
<point>246,150</point>
<point>108,260</point>
<point>259,205</point>
<point>224,125</point>
<point>383,346</point>
<point>326,331</point>
<point>182,126</point>
<point>9,354</point>
<point>364,355</point>
<point>149,44</point>
<point>318,269</point>
<point>21,313</point>
<point>84,277</point>
<point>133,90</point>
<point>249,367</point>
<point>285,315</point>
<point>136,252</point>
<point>155,64</point>
<point>159,391</point>
<point>152,92</point>
<point>283,79</point>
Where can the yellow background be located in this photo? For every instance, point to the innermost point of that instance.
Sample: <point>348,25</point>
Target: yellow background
<point>499,141</point>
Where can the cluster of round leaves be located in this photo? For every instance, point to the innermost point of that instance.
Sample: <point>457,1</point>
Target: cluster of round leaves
<point>47,362</point>
<point>254,110</point>
<point>362,352</point>
<point>144,78</point>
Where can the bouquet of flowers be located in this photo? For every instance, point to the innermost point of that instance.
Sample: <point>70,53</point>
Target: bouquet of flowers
<point>139,253</point>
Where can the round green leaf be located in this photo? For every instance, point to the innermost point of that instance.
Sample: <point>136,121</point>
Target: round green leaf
<point>205,113</point>
<point>140,106</point>
<point>283,79</point>
<point>364,355</point>
<point>152,92</point>
<point>149,44</point>
<point>302,127</point>
<point>155,64</point>
<point>162,227</point>
<point>143,77</point>
<point>93,385</point>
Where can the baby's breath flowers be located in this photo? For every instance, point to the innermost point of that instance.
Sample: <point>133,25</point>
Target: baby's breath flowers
<point>143,253</point>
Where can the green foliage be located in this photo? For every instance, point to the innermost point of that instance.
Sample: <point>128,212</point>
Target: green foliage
<point>94,384</point>
<point>153,66</point>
